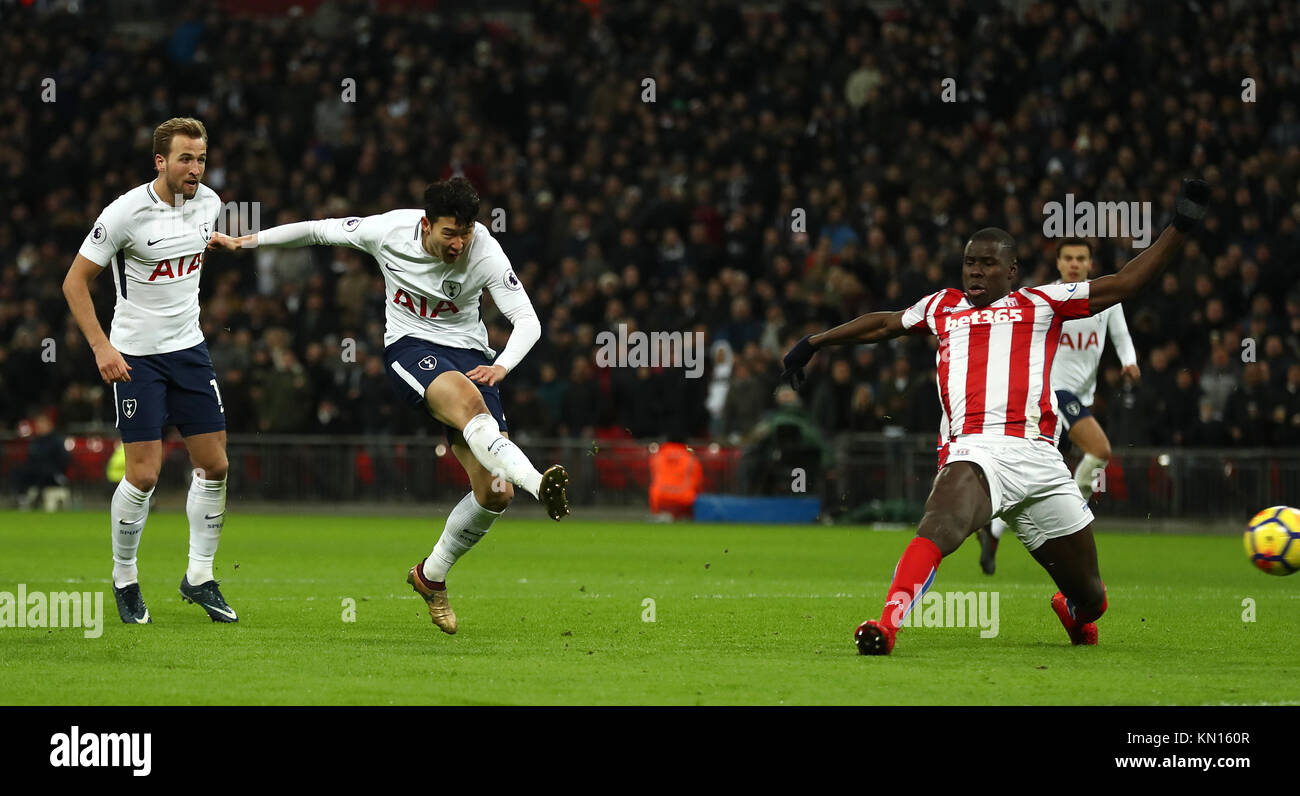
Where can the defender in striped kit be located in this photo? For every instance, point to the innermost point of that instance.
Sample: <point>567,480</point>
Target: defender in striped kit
<point>1074,381</point>
<point>1000,416</point>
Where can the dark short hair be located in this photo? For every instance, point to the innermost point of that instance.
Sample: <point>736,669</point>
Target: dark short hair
<point>997,236</point>
<point>1073,242</point>
<point>454,197</point>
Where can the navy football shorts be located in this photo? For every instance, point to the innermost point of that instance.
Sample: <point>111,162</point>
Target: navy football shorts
<point>412,365</point>
<point>1072,409</point>
<point>178,388</point>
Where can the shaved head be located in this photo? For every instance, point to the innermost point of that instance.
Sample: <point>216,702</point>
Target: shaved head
<point>1000,237</point>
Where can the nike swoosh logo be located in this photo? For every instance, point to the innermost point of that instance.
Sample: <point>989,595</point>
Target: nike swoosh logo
<point>125,522</point>
<point>394,268</point>
<point>213,516</point>
<point>144,620</point>
<point>160,240</point>
<point>221,611</point>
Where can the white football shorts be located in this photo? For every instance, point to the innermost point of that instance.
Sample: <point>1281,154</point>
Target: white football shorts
<point>1030,487</point>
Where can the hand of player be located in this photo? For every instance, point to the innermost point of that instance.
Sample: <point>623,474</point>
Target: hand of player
<point>1190,206</point>
<point>227,243</point>
<point>112,367</point>
<point>1131,372</point>
<point>487,375</point>
<point>794,363</point>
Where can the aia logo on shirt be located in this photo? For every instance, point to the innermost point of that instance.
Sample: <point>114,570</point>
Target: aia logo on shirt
<point>1077,341</point>
<point>423,308</point>
<point>164,268</point>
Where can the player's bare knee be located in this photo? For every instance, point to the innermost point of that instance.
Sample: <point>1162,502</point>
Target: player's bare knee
<point>943,528</point>
<point>143,480</point>
<point>215,470</point>
<point>474,407</point>
<point>497,496</point>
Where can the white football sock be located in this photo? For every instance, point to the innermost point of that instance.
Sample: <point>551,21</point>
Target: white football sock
<point>997,526</point>
<point>206,508</point>
<point>499,455</point>
<point>129,509</point>
<point>1087,472</point>
<point>466,525</point>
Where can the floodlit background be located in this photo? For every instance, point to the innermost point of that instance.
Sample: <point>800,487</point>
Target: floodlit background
<point>746,171</point>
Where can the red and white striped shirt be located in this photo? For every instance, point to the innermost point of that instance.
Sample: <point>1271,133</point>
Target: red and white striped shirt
<point>995,362</point>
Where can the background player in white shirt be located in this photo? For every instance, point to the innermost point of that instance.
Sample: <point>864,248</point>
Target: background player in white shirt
<point>999,418</point>
<point>436,264</point>
<point>153,239</point>
<point>1074,380</point>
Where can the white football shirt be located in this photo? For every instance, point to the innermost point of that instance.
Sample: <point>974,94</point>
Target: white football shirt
<point>1082,343</point>
<point>424,296</point>
<point>156,253</point>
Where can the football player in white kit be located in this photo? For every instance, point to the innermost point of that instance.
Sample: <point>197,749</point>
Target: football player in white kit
<point>1074,380</point>
<point>436,263</point>
<point>153,239</point>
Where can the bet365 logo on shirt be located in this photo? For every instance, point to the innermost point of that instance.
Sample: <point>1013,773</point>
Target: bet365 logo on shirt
<point>983,316</point>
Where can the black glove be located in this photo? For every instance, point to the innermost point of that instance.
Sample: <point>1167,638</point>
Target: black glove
<point>1189,209</point>
<point>794,362</point>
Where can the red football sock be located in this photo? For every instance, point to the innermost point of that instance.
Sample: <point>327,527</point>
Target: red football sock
<point>912,576</point>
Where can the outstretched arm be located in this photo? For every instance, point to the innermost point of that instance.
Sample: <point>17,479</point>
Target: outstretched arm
<point>355,233</point>
<point>1189,210</point>
<point>873,327</point>
<point>870,328</point>
<point>1110,290</point>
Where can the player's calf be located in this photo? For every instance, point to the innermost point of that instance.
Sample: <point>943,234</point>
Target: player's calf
<point>497,496</point>
<point>946,529</point>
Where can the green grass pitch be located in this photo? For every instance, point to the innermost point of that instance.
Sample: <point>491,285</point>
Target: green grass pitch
<point>556,614</point>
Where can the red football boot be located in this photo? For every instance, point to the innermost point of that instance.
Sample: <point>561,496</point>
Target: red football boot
<point>874,638</point>
<point>1085,633</point>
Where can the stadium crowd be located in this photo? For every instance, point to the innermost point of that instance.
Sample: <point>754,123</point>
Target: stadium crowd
<point>793,170</point>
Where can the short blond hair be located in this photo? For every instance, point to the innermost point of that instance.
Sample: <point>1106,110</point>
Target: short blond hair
<point>165,132</point>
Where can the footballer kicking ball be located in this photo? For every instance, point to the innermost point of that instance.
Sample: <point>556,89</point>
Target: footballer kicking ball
<point>1273,540</point>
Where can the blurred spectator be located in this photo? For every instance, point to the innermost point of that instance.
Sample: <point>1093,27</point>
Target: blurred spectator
<point>688,204</point>
<point>46,465</point>
<point>1249,413</point>
<point>785,442</point>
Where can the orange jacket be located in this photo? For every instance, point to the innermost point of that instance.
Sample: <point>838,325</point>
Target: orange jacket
<point>675,473</point>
